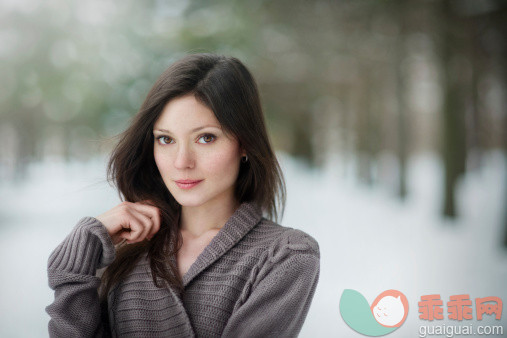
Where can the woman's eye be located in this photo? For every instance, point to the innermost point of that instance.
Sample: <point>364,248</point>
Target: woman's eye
<point>206,138</point>
<point>165,138</point>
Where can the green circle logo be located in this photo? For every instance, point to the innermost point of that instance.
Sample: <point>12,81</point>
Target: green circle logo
<point>387,312</point>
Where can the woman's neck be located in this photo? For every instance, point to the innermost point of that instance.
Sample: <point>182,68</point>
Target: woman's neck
<point>210,216</point>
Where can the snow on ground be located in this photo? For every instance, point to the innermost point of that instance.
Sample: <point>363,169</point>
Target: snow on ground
<point>369,241</point>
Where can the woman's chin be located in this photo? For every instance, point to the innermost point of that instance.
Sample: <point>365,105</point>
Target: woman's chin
<point>187,201</point>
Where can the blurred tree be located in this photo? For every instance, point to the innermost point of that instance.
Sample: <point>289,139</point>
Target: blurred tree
<point>400,16</point>
<point>453,126</point>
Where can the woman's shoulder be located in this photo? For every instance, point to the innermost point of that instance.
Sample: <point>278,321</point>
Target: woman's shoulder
<point>286,239</point>
<point>290,252</point>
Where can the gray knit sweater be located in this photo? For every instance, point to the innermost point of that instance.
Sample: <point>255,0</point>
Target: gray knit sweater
<point>254,279</point>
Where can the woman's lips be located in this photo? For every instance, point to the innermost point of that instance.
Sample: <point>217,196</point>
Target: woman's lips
<point>187,184</point>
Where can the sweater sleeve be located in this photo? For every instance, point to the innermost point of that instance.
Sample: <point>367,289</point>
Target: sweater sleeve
<point>283,290</point>
<point>72,266</point>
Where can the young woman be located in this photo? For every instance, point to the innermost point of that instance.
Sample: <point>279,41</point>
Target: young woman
<point>188,252</point>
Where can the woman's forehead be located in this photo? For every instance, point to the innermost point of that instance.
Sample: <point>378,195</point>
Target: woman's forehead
<point>186,113</point>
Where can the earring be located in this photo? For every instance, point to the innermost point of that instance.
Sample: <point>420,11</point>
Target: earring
<point>244,159</point>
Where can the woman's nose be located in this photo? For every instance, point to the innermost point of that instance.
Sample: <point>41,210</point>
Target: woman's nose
<point>184,158</point>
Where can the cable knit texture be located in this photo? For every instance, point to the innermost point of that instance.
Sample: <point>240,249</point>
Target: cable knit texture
<point>254,279</point>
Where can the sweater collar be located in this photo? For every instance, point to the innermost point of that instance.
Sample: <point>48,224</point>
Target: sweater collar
<point>237,226</point>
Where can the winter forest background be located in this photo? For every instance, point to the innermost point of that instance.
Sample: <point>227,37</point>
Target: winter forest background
<point>388,117</point>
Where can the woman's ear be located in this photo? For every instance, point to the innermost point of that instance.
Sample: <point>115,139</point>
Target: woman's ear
<point>242,151</point>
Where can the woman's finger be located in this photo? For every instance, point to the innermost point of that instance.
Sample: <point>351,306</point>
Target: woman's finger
<point>153,213</point>
<point>136,228</point>
<point>147,225</point>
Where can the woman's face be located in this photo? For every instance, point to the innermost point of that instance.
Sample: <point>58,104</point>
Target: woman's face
<point>198,162</point>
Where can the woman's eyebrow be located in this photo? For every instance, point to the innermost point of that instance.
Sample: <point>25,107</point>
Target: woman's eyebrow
<point>193,130</point>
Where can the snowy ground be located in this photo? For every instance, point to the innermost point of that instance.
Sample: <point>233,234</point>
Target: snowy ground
<point>369,241</point>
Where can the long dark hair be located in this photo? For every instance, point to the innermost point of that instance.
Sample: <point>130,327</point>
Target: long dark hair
<point>225,86</point>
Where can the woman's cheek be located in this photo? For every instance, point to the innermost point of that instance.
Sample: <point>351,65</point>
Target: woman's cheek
<point>222,164</point>
<point>162,163</point>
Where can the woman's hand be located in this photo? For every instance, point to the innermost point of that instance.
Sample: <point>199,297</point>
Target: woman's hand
<point>132,222</point>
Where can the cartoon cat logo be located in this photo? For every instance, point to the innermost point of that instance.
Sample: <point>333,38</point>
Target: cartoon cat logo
<point>389,308</point>
<point>386,314</point>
